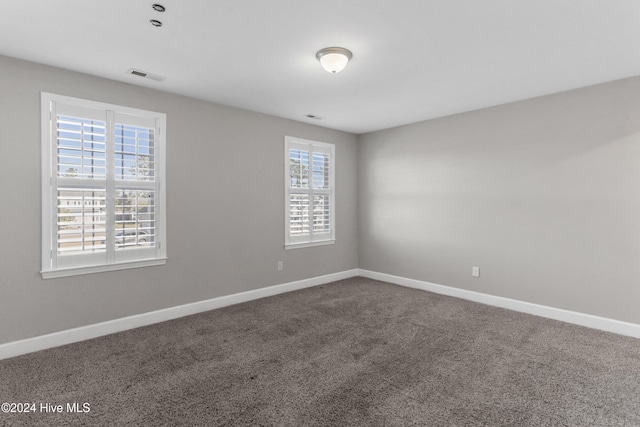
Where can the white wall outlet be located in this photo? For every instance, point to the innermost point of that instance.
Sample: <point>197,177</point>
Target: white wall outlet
<point>280,266</point>
<point>475,271</point>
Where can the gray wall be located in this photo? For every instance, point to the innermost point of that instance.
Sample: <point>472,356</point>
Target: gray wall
<point>543,195</point>
<point>225,207</point>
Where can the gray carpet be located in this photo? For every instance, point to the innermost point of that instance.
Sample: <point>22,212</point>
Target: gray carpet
<point>352,353</point>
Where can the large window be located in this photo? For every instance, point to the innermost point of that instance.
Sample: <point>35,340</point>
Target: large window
<point>103,203</point>
<point>309,193</point>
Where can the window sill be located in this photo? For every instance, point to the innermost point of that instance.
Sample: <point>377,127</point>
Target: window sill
<point>77,271</point>
<point>309,244</point>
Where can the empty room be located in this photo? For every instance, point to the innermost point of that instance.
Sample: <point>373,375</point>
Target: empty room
<point>332,213</point>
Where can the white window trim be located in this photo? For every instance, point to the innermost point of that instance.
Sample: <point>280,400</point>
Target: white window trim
<point>309,244</point>
<point>158,255</point>
<point>311,241</point>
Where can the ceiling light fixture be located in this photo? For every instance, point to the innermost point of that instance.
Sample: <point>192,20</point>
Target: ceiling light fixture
<point>158,7</point>
<point>156,23</point>
<point>334,59</point>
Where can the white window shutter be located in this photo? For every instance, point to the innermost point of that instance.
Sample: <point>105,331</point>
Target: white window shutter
<point>310,193</point>
<point>102,200</point>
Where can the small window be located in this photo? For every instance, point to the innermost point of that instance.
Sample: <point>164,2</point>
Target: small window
<point>103,202</point>
<point>309,193</point>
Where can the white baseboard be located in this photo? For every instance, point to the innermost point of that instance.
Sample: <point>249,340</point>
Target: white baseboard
<point>17,348</point>
<point>595,322</point>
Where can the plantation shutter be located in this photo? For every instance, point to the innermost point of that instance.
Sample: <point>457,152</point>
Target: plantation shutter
<point>309,188</point>
<point>101,187</point>
<point>80,185</point>
<point>135,186</point>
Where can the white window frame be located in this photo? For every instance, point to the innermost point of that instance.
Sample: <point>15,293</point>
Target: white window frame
<point>294,242</point>
<point>54,265</point>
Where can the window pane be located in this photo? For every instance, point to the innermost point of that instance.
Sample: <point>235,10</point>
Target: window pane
<point>321,214</point>
<point>299,168</point>
<point>134,153</point>
<point>320,171</point>
<point>299,214</point>
<point>81,220</point>
<point>135,219</point>
<point>81,147</point>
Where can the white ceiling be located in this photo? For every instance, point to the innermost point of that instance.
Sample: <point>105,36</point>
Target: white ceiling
<point>412,59</point>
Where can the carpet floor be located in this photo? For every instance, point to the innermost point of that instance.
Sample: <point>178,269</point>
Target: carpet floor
<point>357,352</point>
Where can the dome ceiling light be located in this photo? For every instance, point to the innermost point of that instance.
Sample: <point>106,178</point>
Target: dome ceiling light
<point>334,59</point>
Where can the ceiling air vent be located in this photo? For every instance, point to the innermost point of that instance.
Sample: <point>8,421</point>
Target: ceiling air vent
<point>313,116</point>
<point>145,75</point>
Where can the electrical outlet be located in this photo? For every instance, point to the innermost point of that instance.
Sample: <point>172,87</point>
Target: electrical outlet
<point>280,266</point>
<point>475,271</point>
